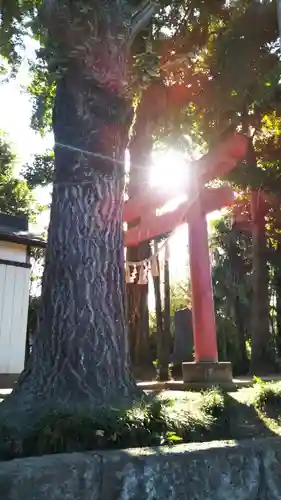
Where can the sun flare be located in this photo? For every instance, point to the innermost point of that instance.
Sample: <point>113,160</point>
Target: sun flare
<point>169,171</point>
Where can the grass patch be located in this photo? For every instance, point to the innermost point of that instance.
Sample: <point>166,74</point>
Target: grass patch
<point>213,403</point>
<point>217,404</point>
<point>267,402</point>
<point>166,419</point>
<point>160,422</point>
<point>267,395</point>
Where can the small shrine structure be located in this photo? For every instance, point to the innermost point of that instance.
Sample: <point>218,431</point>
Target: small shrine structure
<point>15,244</point>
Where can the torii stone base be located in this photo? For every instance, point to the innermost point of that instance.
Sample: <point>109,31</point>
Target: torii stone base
<point>207,374</point>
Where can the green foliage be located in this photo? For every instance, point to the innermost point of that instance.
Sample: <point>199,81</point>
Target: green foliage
<point>15,196</point>
<point>217,404</point>
<point>146,69</point>
<point>191,417</point>
<point>268,395</point>
<point>234,97</point>
<point>152,322</point>
<point>17,16</point>
<point>231,275</point>
<point>233,292</point>
<point>232,262</point>
<point>7,157</point>
<point>225,99</point>
<point>41,171</point>
<point>157,367</point>
<point>162,52</point>
<point>159,422</point>
<point>180,296</point>
<point>43,90</point>
<point>213,403</point>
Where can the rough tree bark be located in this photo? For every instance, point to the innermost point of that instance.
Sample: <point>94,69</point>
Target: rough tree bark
<point>152,107</point>
<point>81,353</point>
<point>162,371</point>
<point>167,339</point>
<point>138,317</point>
<point>276,286</point>
<point>262,356</point>
<point>277,279</point>
<point>240,321</point>
<point>137,295</point>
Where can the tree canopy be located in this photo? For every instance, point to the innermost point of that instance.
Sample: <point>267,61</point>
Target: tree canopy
<point>15,196</point>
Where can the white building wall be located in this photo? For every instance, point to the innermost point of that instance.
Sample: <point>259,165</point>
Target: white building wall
<point>12,251</point>
<point>14,296</point>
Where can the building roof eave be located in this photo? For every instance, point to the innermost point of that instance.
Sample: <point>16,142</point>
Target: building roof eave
<point>23,238</point>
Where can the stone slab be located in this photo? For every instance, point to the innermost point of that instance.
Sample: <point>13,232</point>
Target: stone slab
<point>179,385</point>
<point>183,345</point>
<point>207,373</point>
<point>248,470</point>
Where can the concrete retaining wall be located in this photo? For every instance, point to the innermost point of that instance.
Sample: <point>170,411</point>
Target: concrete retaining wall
<point>208,471</point>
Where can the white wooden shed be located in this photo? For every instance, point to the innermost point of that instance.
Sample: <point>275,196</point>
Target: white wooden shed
<point>15,244</point>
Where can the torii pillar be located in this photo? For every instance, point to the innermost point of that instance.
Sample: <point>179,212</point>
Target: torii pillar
<point>206,369</point>
<point>204,324</point>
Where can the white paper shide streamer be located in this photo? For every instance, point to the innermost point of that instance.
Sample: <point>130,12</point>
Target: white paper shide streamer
<point>141,269</point>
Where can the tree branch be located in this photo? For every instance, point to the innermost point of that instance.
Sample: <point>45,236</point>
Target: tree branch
<point>141,20</point>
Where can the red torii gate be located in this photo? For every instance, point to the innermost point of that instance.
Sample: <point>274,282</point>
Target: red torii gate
<point>200,201</point>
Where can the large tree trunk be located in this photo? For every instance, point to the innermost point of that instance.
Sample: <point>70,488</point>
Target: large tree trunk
<point>81,354</point>
<point>138,315</point>
<point>262,353</point>
<point>151,107</point>
<point>161,344</point>
<point>81,350</point>
<point>278,314</point>
<point>277,286</point>
<point>167,339</point>
<point>240,320</point>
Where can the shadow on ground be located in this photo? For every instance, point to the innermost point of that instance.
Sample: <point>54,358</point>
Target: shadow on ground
<point>243,421</point>
<point>238,419</point>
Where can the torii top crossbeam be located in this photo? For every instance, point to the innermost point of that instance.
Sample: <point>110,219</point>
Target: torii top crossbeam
<point>219,161</point>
